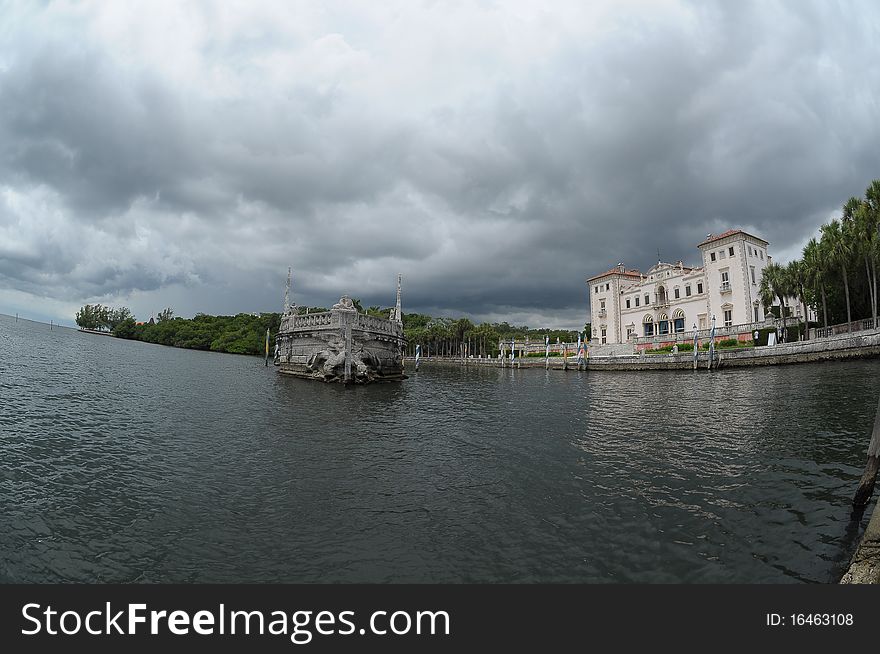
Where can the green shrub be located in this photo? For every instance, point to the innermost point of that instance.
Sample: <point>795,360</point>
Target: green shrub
<point>794,332</point>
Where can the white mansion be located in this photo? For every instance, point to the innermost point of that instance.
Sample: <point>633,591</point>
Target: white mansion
<point>672,298</point>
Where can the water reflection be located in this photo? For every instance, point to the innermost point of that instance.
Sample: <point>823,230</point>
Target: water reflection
<point>130,462</point>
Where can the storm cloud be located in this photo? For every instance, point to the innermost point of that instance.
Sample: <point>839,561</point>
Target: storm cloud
<point>495,154</point>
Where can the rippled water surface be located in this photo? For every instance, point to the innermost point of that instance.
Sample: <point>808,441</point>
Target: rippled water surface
<point>124,461</point>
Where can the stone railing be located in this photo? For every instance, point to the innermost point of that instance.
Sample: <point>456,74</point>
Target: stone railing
<point>688,335</point>
<point>374,324</point>
<point>846,328</point>
<point>323,319</point>
<point>332,319</point>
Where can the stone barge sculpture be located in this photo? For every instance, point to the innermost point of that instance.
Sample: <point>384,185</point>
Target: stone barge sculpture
<point>340,345</point>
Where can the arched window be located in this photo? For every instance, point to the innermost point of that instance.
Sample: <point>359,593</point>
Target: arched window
<point>648,324</point>
<point>678,321</point>
<point>662,324</point>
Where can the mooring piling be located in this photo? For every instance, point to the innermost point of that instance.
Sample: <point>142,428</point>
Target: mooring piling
<point>872,466</point>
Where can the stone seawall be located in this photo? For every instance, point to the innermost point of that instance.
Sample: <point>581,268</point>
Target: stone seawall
<point>864,567</point>
<point>844,346</point>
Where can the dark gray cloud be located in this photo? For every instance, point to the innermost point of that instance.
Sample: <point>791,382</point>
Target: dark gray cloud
<point>496,155</point>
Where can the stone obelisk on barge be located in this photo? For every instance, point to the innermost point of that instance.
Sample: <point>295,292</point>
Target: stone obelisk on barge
<point>340,345</point>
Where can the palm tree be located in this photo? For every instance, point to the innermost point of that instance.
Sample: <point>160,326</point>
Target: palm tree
<point>815,267</point>
<point>865,217</point>
<point>774,283</point>
<point>796,276</point>
<point>836,238</point>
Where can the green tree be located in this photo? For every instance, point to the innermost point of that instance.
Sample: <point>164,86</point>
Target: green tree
<point>797,281</point>
<point>126,328</point>
<point>816,268</point>
<point>836,238</point>
<point>116,316</point>
<point>775,283</point>
<point>864,218</point>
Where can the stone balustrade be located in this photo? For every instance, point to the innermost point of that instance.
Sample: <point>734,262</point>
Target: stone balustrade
<point>323,319</point>
<point>865,324</point>
<point>333,319</point>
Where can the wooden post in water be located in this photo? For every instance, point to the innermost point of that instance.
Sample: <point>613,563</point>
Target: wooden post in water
<point>866,484</point>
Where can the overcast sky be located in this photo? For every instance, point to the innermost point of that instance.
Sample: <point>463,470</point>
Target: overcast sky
<point>495,153</point>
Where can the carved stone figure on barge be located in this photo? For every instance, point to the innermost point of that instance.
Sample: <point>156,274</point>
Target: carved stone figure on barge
<point>342,344</point>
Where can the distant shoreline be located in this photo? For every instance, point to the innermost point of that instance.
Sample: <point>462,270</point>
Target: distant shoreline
<point>94,331</point>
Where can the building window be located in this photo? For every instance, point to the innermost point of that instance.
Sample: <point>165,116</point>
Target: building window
<point>730,250</point>
<point>607,287</point>
<point>761,252</point>
<point>679,325</point>
<point>728,317</point>
<point>753,274</point>
<point>722,254</point>
<point>663,327</point>
<point>604,333</point>
<point>699,287</point>
<point>756,313</point>
<point>676,294</point>
<point>627,303</point>
<point>687,291</point>
<point>647,300</point>
<point>637,300</point>
<point>712,255</point>
<point>649,329</point>
<point>602,305</point>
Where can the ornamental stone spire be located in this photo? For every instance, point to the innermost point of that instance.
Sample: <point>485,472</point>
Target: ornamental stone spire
<point>287,294</point>
<point>397,312</point>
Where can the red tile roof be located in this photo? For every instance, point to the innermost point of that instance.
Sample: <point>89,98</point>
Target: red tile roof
<point>616,271</point>
<point>730,232</point>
